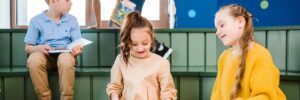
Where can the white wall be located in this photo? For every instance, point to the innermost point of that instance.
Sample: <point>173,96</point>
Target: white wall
<point>4,14</point>
<point>30,8</point>
<point>22,12</point>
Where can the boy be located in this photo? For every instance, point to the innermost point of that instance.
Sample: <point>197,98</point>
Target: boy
<point>52,29</point>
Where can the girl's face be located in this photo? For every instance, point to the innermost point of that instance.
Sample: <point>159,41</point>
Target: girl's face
<point>141,42</point>
<point>229,29</point>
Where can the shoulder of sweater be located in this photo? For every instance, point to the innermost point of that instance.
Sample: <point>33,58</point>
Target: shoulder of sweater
<point>159,59</point>
<point>119,59</point>
<point>260,52</point>
<point>119,56</point>
<point>262,58</point>
<point>225,53</point>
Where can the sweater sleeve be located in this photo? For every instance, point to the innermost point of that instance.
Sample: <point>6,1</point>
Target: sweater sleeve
<point>262,86</point>
<point>168,91</point>
<point>215,92</point>
<point>215,95</point>
<point>264,82</point>
<point>116,84</point>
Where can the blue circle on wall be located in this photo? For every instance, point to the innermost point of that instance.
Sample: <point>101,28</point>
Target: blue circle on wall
<point>192,13</point>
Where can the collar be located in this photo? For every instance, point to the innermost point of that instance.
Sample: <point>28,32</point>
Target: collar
<point>64,17</point>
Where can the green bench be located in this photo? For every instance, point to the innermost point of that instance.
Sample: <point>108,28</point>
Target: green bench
<point>193,62</point>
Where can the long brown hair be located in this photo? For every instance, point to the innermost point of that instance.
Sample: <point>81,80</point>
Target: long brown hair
<point>245,40</point>
<point>133,20</point>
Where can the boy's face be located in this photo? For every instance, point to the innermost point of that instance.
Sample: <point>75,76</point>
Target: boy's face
<point>62,6</point>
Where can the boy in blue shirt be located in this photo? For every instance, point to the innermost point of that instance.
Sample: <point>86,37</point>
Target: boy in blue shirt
<point>52,29</point>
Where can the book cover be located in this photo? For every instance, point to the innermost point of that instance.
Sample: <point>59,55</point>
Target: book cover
<point>122,8</point>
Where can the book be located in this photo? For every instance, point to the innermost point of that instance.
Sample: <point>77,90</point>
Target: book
<point>122,8</point>
<point>78,42</point>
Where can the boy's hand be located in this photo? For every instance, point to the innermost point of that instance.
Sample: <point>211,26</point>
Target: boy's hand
<point>77,50</point>
<point>44,48</point>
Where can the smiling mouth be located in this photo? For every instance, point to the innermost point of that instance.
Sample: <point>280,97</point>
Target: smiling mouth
<point>141,52</point>
<point>222,36</point>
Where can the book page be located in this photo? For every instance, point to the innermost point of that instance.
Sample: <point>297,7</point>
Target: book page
<point>58,51</point>
<point>79,42</point>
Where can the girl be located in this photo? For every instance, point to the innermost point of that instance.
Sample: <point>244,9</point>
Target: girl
<point>246,70</point>
<point>139,74</point>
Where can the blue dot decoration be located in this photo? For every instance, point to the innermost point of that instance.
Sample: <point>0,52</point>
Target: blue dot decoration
<point>192,13</point>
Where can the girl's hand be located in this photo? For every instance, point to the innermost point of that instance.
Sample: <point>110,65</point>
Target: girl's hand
<point>114,96</point>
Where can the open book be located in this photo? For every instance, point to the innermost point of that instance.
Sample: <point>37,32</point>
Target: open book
<point>78,42</point>
<point>122,8</point>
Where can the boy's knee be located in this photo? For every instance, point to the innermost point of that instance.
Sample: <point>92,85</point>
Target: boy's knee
<point>66,59</point>
<point>46,95</point>
<point>36,59</point>
<point>67,92</point>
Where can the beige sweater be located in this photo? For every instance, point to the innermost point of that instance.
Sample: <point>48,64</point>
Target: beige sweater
<point>142,79</point>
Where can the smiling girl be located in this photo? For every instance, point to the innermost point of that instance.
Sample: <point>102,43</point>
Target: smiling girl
<point>246,70</point>
<point>139,74</point>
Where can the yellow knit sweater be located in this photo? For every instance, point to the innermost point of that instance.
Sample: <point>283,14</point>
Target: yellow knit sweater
<point>260,80</point>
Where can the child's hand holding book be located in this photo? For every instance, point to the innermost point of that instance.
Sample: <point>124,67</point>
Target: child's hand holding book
<point>75,47</point>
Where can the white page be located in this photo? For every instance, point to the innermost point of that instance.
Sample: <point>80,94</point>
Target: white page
<point>79,42</point>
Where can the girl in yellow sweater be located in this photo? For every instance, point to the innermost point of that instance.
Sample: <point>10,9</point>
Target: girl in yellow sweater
<point>246,70</point>
<point>139,74</point>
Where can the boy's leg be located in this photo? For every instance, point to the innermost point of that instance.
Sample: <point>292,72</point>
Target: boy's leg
<point>162,50</point>
<point>97,10</point>
<point>95,14</point>
<point>66,72</point>
<point>37,65</point>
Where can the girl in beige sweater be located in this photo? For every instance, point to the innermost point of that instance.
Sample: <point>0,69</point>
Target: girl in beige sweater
<point>139,74</point>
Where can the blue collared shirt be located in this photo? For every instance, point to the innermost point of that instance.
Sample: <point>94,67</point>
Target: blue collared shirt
<point>43,31</point>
